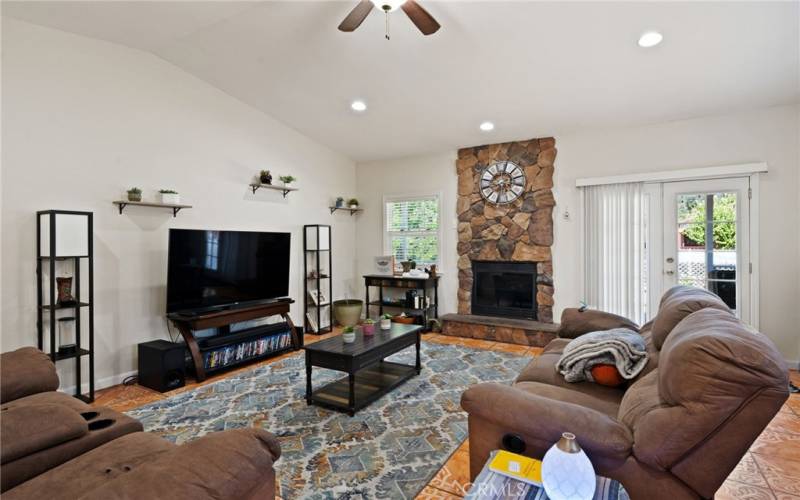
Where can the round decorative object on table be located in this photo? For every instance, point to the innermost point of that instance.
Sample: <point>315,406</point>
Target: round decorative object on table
<point>567,473</point>
<point>502,182</point>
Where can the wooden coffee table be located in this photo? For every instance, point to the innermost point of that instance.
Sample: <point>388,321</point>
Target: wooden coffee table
<point>368,376</point>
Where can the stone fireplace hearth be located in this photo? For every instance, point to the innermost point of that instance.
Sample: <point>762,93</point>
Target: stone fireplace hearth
<point>517,232</point>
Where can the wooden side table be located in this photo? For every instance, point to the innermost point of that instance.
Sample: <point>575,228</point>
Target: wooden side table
<point>490,485</point>
<point>423,285</point>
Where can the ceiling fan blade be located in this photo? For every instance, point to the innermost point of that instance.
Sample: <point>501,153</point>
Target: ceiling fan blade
<point>420,17</point>
<point>356,16</point>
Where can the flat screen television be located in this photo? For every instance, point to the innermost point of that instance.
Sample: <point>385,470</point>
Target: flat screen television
<point>215,269</point>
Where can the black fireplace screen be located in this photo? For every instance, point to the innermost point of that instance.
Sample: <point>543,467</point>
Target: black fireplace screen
<point>505,289</point>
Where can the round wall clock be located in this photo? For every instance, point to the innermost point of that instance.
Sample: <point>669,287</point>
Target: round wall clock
<point>502,182</point>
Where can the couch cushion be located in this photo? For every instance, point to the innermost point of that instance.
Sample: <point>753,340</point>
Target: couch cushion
<point>27,429</point>
<point>50,398</point>
<point>575,322</point>
<point>604,402</point>
<point>710,367</point>
<point>107,425</point>
<point>678,303</point>
<point>640,398</point>
<point>26,371</point>
<point>94,468</point>
<point>543,369</point>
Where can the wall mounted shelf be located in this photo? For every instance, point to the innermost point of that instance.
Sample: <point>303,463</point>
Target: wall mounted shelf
<point>347,209</point>
<point>175,208</point>
<point>284,189</point>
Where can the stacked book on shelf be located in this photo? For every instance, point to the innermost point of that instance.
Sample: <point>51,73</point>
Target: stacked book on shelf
<point>236,353</point>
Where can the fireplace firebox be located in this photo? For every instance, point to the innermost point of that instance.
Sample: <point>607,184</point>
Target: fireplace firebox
<point>506,289</point>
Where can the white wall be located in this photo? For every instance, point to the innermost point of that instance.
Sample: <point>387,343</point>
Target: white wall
<point>769,135</point>
<point>432,174</point>
<point>83,120</point>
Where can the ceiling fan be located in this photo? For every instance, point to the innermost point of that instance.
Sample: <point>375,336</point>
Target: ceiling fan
<point>419,16</point>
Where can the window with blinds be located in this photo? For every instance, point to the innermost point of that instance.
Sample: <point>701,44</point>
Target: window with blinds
<point>412,229</point>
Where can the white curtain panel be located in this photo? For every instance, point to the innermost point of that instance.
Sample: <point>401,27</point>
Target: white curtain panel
<point>614,233</point>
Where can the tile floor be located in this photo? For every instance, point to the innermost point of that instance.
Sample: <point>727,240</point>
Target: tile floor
<point>770,470</point>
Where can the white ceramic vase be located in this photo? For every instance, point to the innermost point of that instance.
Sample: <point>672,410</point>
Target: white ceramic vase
<point>386,324</point>
<point>567,473</point>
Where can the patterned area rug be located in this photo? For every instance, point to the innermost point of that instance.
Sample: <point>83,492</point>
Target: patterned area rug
<point>391,449</point>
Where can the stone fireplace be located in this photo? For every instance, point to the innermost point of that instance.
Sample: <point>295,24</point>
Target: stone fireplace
<point>513,238</point>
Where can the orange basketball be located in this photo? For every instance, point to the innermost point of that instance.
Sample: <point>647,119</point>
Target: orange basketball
<point>607,375</point>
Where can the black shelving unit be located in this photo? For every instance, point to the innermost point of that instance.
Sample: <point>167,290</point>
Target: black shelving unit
<point>317,244</point>
<point>65,236</point>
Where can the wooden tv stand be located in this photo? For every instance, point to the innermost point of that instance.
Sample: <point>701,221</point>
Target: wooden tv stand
<point>188,324</point>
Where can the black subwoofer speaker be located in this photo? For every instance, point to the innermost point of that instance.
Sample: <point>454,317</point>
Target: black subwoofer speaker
<point>162,365</point>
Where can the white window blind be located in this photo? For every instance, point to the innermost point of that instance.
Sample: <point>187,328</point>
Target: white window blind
<point>615,257</point>
<point>412,229</point>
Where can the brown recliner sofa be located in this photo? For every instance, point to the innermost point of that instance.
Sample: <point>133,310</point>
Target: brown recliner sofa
<point>41,427</point>
<point>711,385</point>
<point>57,447</point>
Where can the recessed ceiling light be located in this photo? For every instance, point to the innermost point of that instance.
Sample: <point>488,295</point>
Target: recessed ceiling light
<point>359,106</point>
<point>650,39</point>
<point>487,126</point>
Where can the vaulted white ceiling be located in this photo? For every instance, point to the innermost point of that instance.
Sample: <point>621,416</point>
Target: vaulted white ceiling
<point>533,68</point>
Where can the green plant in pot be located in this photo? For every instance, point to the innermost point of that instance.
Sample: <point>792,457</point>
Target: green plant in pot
<point>352,203</point>
<point>287,179</point>
<point>347,311</point>
<point>134,194</point>
<point>348,335</point>
<point>368,327</point>
<point>265,177</point>
<point>386,322</point>
<point>169,196</point>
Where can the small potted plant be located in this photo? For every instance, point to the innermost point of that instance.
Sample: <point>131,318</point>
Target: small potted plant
<point>134,194</point>
<point>348,335</point>
<point>368,327</point>
<point>287,179</point>
<point>352,203</point>
<point>169,196</point>
<point>265,177</point>
<point>339,202</point>
<point>386,322</point>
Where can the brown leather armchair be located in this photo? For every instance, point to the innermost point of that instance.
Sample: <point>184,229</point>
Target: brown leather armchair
<point>711,386</point>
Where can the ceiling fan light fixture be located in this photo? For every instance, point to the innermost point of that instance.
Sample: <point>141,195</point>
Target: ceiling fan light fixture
<point>388,5</point>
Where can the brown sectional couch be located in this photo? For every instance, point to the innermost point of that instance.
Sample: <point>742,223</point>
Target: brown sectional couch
<point>711,385</point>
<point>57,447</point>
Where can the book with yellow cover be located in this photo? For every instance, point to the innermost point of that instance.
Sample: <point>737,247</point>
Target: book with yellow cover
<point>518,467</point>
